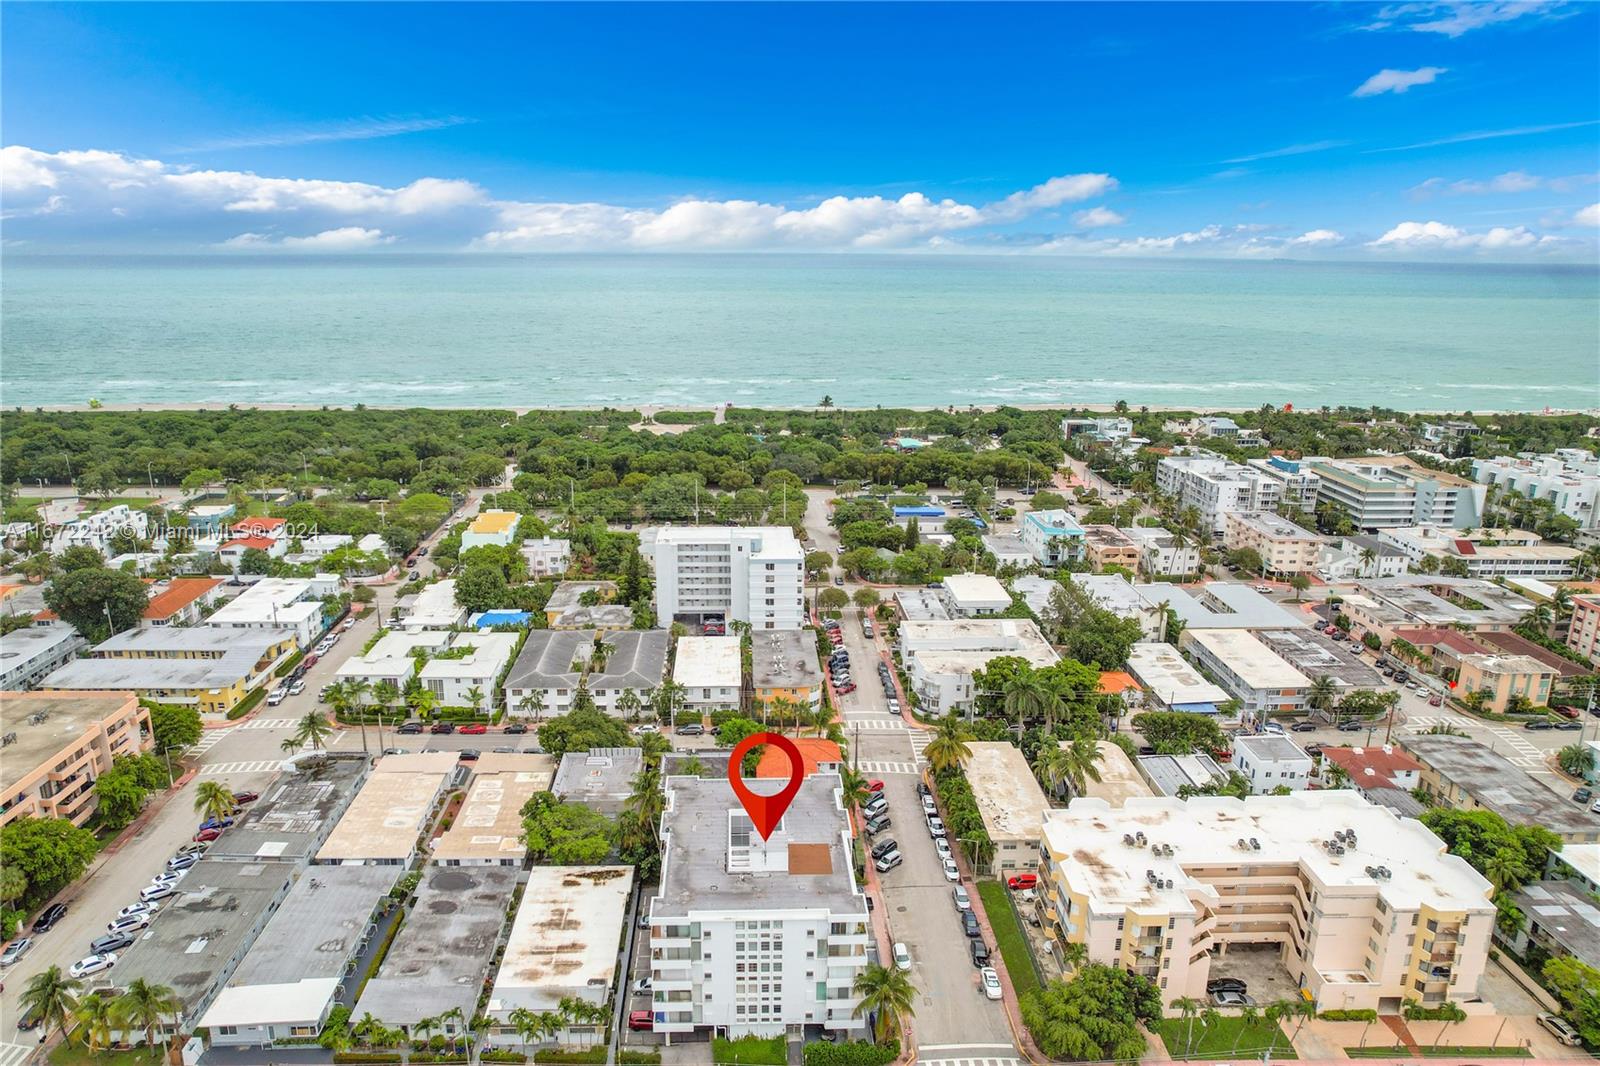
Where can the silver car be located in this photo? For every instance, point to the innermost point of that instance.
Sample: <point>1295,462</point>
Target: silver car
<point>15,950</point>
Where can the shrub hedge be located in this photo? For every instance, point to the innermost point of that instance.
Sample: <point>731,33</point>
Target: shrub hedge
<point>851,1053</point>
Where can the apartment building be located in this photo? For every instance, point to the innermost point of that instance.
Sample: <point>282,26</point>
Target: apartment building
<point>972,595</point>
<point>1284,547</point>
<point>940,657</point>
<point>1486,553</point>
<point>55,744</point>
<point>1569,479</point>
<point>211,668</point>
<point>1054,537</point>
<point>783,665</point>
<point>491,529</point>
<point>434,606</point>
<point>98,530</point>
<point>1410,601</point>
<point>1269,761</point>
<point>710,671</point>
<point>1297,480</point>
<point>1170,681</point>
<point>1010,802</point>
<point>1505,676</point>
<point>294,604</point>
<point>181,601</point>
<point>1161,553</point>
<point>1256,676</point>
<point>1105,546</point>
<point>586,605</point>
<point>750,935</point>
<point>753,574</point>
<point>1382,492</point>
<point>1215,486</point>
<point>1119,596</point>
<point>1583,628</point>
<point>32,653</point>
<point>473,662</point>
<point>1365,909</point>
<point>547,556</point>
<point>1461,773</point>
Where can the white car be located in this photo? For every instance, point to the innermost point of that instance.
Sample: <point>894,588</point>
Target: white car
<point>642,986</point>
<point>936,825</point>
<point>276,696</point>
<point>152,893</point>
<point>131,924</point>
<point>349,623</point>
<point>928,806</point>
<point>170,877</point>
<point>991,982</point>
<point>1263,589</point>
<point>942,845</point>
<point>92,964</point>
<point>963,901</point>
<point>902,956</point>
<point>138,908</point>
<point>297,688</point>
<point>951,871</point>
<point>641,730</point>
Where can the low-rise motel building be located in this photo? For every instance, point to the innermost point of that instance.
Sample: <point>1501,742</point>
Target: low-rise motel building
<point>1364,909</point>
<point>57,743</point>
<point>212,669</point>
<point>783,665</point>
<point>1010,802</point>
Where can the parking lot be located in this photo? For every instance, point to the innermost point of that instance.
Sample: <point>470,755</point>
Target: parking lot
<point>1261,968</point>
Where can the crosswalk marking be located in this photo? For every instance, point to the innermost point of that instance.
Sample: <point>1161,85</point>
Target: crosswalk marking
<point>877,724</point>
<point>1528,755</point>
<point>920,739</point>
<point>872,767</point>
<point>209,740</point>
<point>263,766</point>
<point>15,1054</point>
<point>269,723</point>
<point>971,1062</point>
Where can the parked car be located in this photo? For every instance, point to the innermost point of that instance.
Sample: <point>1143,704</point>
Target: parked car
<point>442,727</point>
<point>131,924</point>
<point>14,951</point>
<point>928,806</point>
<point>1583,795</point>
<point>888,862</point>
<point>641,730</point>
<point>691,729</point>
<point>902,956</point>
<point>1559,1029</point>
<point>942,846</point>
<point>1595,807</point>
<point>217,823</point>
<point>516,728</point>
<point>642,986</point>
<point>207,835</point>
<point>48,918</point>
<point>1020,881</point>
<point>979,952</point>
<point>884,847</point>
<point>276,696</point>
<point>91,964</point>
<point>349,623</point>
<point>1351,725</point>
<point>246,797</point>
<point>1538,723</point>
<point>1435,700</point>
<point>1567,727</point>
<point>936,826</point>
<point>991,982</point>
<point>138,908</point>
<point>923,789</point>
<point>969,925</point>
<point>474,729</point>
<point>847,687</point>
<point>641,1021</point>
<point>412,728</point>
<point>952,872</point>
<point>1313,749</point>
<point>297,688</point>
<point>182,862</point>
<point>1304,727</point>
<point>469,755</point>
<point>877,825</point>
<point>1232,999</point>
<point>1226,984</point>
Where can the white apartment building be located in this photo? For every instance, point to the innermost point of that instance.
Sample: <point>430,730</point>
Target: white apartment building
<point>392,659</point>
<point>970,595</point>
<point>1298,481</point>
<point>547,556</point>
<point>1486,553</point>
<point>1258,678</point>
<point>1117,594</point>
<point>1170,679</point>
<point>1161,553</point>
<point>1382,492</point>
<point>1569,478</point>
<point>940,656</point>
<point>753,574</point>
<point>1365,909</point>
<point>279,603</point>
<point>750,935</point>
<point>98,530</point>
<point>1214,486</point>
<point>1053,537</point>
<point>711,671</point>
<point>434,607</point>
<point>491,529</point>
<point>1284,547</point>
<point>453,679</point>
<point>1269,761</point>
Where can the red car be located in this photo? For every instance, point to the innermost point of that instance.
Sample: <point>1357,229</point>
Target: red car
<point>245,797</point>
<point>1221,754</point>
<point>842,689</point>
<point>473,730</point>
<point>874,786</point>
<point>205,836</point>
<point>310,660</point>
<point>641,1021</point>
<point>1021,881</point>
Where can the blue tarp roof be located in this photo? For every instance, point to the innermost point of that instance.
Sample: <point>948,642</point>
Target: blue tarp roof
<point>919,512</point>
<point>1196,708</point>
<point>500,618</point>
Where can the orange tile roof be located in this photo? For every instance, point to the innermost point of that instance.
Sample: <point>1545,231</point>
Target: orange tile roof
<point>7,591</point>
<point>263,543</point>
<point>180,593</point>
<point>813,750</point>
<point>257,525</point>
<point>1383,764</point>
<point>1116,681</point>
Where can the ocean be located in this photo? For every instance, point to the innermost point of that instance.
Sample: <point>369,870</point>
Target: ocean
<point>777,330</point>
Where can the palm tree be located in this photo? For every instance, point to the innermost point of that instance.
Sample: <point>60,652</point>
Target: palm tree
<point>51,997</point>
<point>856,791</point>
<point>94,1021</point>
<point>1368,558</point>
<point>1503,868</point>
<point>1077,762</point>
<point>1187,1007</point>
<point>948,748</point>
<point>647,801</point>
<point>1322,693</point>
<point>1276,1012</point>
<point>1026,696</point>
<point>313,729</point>
<point>533,701</point>
<point>887,992</point>
<point>1075,954</point>
<point>146,1006</point>
<point>522,1020</point>
<point>1249,1018</point>
<point>600,654</point>
<point>213,800</point>
<point>475,697</point>
<point>1208,1018</point>
<point>668,698</point>
<point>629,704</point>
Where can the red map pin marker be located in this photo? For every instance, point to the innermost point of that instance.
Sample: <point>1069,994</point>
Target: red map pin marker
<point>766,811</point>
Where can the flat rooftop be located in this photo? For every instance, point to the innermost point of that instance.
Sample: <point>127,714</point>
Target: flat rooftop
<point>1493,782</point>
<point>1168,773</point>
<point>1271,526</point>
<point>192,945</point>
<point>1565,913</point>
<point>1008,797</point>
<point>489,824</point>
<point>19,645</point>
<point>784,658</point>
<point>694,870</point>
<point>566,938</point>
<point>390,811</point>
<point>494,522</point>
<point>1107,537</point>
<point>440,956</point>
<point>1120,780</point>
<point>66,717</point>
<point>1315,655</point>
<point>488,655</point>
<point>1088,840</point>
<point>569,594</point>
<point>598,775</point>
<point>1255,664</point>
<point>1268,747</point>
<point>1163,671</point>
<point>921,605</point>
<point>1113,592</point>
<point>435,606</point>
<point>1222,605</point>
<point>708,662</point>
<point>182,657</point>
<point>295,813</point>
<point>977,592</point>
<point>1435,600</point>
<point>318,927</point>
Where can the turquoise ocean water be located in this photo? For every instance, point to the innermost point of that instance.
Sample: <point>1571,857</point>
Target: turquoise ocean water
<point>780,330</point>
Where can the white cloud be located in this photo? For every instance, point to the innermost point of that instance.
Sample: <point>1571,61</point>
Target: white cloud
<point>1587,216</point>
<point>343,239</point>
<point>1512,181</point>
<point>1070,188</point>
<point>1397,81</point>
<point>361,129</point>
<point>1452,19</point>
<point>1439,236</point>
<point>1096,217</point>
<point>1293,149</point>
<point>1489,135</point>
<point>1317,238</point>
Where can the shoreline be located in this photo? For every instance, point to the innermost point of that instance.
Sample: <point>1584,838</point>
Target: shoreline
<point>655,408</point>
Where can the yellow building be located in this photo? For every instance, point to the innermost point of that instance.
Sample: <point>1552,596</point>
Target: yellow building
<point>213,669</point>
<point>1504,676</point>
<point>58,743</point>
<point>491,529</point>
<point>783,665</point>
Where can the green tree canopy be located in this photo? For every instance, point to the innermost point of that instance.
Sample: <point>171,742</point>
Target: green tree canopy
<point>482,588</point>
<point>1508,855</point>
<point>50,852</point>
<point>581,730</point>
<point>1094,1016</point>
<point>96,600</point>
<point>565,834</point>
<point>174,725</point>
<point>1179,732</point>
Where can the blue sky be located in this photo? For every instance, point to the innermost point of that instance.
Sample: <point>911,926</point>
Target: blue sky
<point>1407,130</point>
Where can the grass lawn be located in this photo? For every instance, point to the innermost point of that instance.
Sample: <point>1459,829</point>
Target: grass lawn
<point>750,1051</point>
<point>1013,943</point>
<point>1443,1052</point>
<point>1230,1038</point>
<point>74,1054</point>
<point>135,503</point>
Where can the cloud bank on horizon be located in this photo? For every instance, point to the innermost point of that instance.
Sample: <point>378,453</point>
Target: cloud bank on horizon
<point>240,210</point>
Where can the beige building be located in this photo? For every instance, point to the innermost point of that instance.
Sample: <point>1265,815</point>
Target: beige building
<point>1365,909</point>
<point>1284,547</point>
<point>1120,779</point>
<point>1583,630</point>
<point>57,744</point>
<point>1109,546</point>
<point>383,824</point>
<point>487,830</point>
<point>1504,676</point>
<point>1010,802</point>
